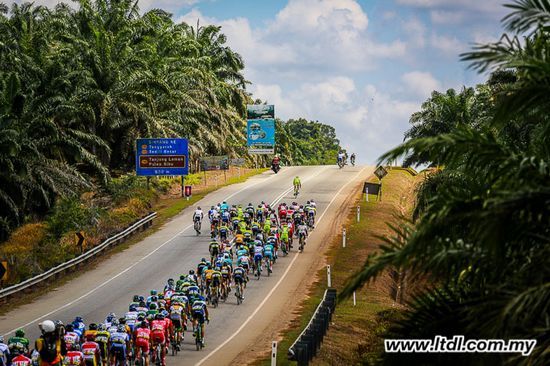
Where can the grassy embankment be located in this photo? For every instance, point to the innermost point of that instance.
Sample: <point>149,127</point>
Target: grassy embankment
<point>39,245</point>
<point>354,335</point>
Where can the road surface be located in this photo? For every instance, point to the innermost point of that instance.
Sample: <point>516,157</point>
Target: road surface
<point>174,249</point>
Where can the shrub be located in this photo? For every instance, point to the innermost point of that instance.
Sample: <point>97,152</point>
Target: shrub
<point>71,215</point>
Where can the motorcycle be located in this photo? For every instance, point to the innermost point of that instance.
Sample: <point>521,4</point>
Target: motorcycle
<point>275,168</point>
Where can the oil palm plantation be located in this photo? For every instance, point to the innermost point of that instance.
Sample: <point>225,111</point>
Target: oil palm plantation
<point>482,222</point>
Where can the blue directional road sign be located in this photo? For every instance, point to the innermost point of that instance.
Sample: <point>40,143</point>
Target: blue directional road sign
<point>162,156</point>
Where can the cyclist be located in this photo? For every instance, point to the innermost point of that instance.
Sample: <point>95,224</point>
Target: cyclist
<point>159,336</point>
<point>214,249</point>
<point>120,345</point>
<point>19,359</point>
<point>73,357</point>
<point>240,278</point>
<point>216,281</point>
<point>352,159</point>
<point>258,255</point>
<point>269,250</point>
<point>340,157</point>
<point>224,206</point>
<point>177,316</point>
<point>200,315</point>
<point>103,338</point>
<point>71,338</point>
<point>19,342</point>
<point>91,350</point>
<point>197,217</point>
<point>302,231</point>
<point>79,326</point>
<point>226,278</point>
<point>284,237</point>
<point>91,332</point>
<point>50,346</point>
<point>142,336</point>
<point>297,185</point>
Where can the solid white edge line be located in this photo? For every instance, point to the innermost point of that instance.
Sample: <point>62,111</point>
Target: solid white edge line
<point>277,284</point>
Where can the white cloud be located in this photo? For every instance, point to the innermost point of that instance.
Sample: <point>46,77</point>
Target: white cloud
<point>416,32</point>
<point>446,17</point>
<point>420,84</point>
<point>450,46</point>
<point>486,6</point>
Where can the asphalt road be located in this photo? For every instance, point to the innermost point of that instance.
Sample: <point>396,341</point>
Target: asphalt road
<point>174,249</point>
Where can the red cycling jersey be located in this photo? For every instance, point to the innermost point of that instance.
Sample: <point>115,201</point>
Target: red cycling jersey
<point>159,331</point>
<point>142,337</point>
<point>73,358</point>
<point>91,352</point>
<point>21,361</point>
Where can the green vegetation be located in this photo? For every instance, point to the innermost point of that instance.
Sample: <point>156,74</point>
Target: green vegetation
<point>77,87</point>
<point>302,142</point>
<point>481,232</point>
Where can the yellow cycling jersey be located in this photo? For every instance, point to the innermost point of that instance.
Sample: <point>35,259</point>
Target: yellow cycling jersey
<point>208,273</point>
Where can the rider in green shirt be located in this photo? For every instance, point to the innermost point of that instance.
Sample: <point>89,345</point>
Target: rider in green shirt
<point>297,184</point>
<point>19,342</point>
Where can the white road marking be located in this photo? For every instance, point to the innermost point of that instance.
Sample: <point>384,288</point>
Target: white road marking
<point>277,284</point>
<point>130,267</point>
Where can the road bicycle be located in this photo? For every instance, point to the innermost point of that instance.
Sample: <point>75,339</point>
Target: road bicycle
<point>257,268</point>
<point>199,341</point>
<point>311,221</point>
<point>214,297</point>
<point>176,341</point>
<point>140,357</point>
<point>197,226</point>
<point>302,241</point>
<point>238,294</point>
<point>296,191</point>
<point>156,355</point>
<point>268,265</point>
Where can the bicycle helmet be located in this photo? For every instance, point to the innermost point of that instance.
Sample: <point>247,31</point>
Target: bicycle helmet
<point>68,328</point>
<point>165,313</point>
<point>182,277</point>
<point>161,297</point>
<point>47,326</point>
<point>153,306</point>
<point>101,327</point>
<point>159,316</point>
<point>144,324</point>
<point>191,272</point>
<point>93,326</point>
<point>121,328</point>
<point>153,292</point>
<point>199,207</point>
<point>20,333</point>
<point>154,298</point>
<point>1,339</point>
<point>136,298</point>
<point>115,322</point>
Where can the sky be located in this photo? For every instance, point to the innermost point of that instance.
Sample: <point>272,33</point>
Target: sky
<point>362,66</point>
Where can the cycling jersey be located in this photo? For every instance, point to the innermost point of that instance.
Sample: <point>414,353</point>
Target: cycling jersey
<point>159,331</point>
<point>199,310</point>
<point>21,361</point>
<point>142,337</point>
<point>198,215</point>
<point>131,319</point>
<point>73,358</point>
<point>91,352</point>
<point>71,338</point>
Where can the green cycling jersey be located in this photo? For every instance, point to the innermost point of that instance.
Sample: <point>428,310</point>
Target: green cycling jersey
<point>297,182</point>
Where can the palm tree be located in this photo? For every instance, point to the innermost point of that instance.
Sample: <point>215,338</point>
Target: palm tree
<point>482,230</point>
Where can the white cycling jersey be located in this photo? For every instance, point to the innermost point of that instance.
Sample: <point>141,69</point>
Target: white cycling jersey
<point>302,229</point>
<point>198,213</point>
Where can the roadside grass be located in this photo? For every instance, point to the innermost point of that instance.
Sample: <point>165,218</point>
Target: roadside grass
<point>354,334</point>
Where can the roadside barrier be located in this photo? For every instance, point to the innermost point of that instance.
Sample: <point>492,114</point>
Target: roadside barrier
<point>309,341</point>
<point>141,224</point>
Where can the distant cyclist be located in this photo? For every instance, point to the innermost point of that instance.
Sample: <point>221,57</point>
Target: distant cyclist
<point>297,185</point>
<point>197,217</point>
<point>352,159</point>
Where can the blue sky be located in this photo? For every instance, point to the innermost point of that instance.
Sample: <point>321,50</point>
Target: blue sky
<point>362,66</point>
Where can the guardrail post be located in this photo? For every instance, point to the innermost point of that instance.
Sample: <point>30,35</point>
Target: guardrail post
<point>358,213</point>
<point>329,280</point>
<point>367,194</point>
<point>274,353</point>
<point>354,302</point>
<point>344,238</point>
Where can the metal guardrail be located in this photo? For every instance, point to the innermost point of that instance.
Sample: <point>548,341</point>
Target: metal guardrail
<point>307,344</point>
<point>143,223</point>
